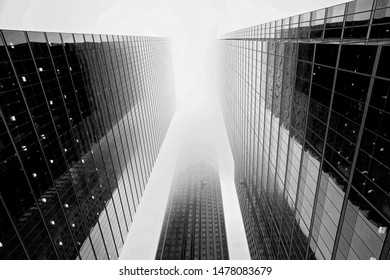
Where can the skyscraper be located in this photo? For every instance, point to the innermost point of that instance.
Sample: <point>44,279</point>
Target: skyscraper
<point>305,102</point>
<point>194,225</point>
<point>82,118</point>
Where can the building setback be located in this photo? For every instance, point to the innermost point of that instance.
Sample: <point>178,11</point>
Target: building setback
<point>194,225</point>
<point>307,110</point>
<point>82,118</point>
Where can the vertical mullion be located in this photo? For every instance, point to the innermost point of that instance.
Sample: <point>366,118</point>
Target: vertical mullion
<point>17,152</point>
<point>124,117</point>
<point>84,126</point>
<point>9,215</point>
<point>100,51</point>
<point>355,156</point>
<point>74,137</point>
<point>110,102</point>
<point>62,152</point>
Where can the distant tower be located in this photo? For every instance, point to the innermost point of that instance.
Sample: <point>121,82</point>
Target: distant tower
<point>194,225</point>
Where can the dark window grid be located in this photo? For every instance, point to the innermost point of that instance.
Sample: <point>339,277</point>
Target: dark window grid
<point>356,104</point>
<point>373,169</point>
<point>348,132</point>
<point>72,237</point>
<point>32,245</point>
<point>9,212</point>
<point>42,218</point>
<point>355,157</point>
<point>13,247</point>
<point>342,125</point>
<point>338,161</point>
<point>376,197</point>
<point>313,144</point>
<point>380,25</point>
<point>318,110</point>
<point>359,29</point>
<point>375,122</point>
<point>372,150</point>
<point>74,63</point>
<point>334,140</point>
<point>320,74</point>
<point>364,159</point>
<point>315,125</point>
<point>381,91</point>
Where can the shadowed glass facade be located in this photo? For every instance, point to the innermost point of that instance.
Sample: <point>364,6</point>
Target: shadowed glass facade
<point>82,118</point>
<point>305,103</point>
<point>194,224</point>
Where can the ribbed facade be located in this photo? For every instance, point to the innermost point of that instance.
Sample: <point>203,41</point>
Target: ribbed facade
<point>194,224</point>
<point>82,119</point>
<point>306,106</point>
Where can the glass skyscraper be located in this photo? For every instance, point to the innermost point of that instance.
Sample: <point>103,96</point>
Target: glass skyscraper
<point>306,105</point>
<point>82,118</point>
<point>194,224</point>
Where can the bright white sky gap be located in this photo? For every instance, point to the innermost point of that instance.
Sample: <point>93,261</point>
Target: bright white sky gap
<point>192,26</point>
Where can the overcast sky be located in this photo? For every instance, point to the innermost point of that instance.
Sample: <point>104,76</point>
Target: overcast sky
<point>192,26</point>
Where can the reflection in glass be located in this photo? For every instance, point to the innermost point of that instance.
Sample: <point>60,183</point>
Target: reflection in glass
<point>329,170</point>
<point>66,193</point>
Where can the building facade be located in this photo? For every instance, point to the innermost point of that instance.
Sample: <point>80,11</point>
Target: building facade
<point>306,105</point>
<point>194,224</point>
<point>82,118</point>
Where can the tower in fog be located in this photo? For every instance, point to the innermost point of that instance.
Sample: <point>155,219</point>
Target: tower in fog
<point>194,225</point>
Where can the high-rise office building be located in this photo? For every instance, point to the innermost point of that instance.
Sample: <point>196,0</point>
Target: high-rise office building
<point>82,118</point>
<point>194,224</point>
<point>306,106</point>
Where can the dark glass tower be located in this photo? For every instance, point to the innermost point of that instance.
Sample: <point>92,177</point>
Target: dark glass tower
<point>194,224</point>
<point>306,105</point>
<point>82,118</point>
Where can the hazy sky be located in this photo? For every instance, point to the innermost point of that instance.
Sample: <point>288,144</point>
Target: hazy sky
<point>192,26</point>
